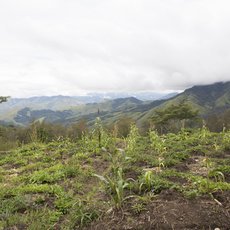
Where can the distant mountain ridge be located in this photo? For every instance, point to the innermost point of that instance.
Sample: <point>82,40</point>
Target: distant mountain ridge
<point>215,95</point>
<point>60,102</point>
<point>9,109</point>
<point>207,99</point>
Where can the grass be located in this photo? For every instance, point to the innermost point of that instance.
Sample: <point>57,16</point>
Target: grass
<point>67,185</point>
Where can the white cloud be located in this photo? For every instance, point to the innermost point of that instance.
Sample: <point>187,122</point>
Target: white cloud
<point>68,47</point>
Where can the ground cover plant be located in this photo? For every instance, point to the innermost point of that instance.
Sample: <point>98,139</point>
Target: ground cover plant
<point>101,181</point>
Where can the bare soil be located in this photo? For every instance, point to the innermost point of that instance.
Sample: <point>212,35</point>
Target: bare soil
<point>170,210</point>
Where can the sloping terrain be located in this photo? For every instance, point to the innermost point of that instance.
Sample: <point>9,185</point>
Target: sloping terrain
<point>89,112</point>
<point>10,109</point>
<point>157,182</point>
<point>208,99</point>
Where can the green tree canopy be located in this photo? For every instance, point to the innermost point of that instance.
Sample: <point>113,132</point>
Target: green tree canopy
<point>180,112</point>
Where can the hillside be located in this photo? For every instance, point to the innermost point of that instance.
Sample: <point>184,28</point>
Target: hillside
<point>66,102</point>
<point>208,99</point>
<point>212,99</point>
<point>87,111</point>
<point>26,116</point>
<point>157,182</point>
<point>38,107</point>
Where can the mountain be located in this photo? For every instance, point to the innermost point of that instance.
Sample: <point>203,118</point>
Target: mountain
<point>26,116</point>
<point>211,97</point>
<point>207,99</point>
<point>66,102</point>
<point>109,111</point>
<point>44,102</point>
<point>14,107</point>
<point>88,111</point>
<point>143,96</point>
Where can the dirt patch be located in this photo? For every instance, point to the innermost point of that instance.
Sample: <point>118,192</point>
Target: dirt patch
<point>131,174</point>
<point>141,164</point>
<point>11,166</point>
<point>223,197</point>
<point>197,153</point>
<point>100,165</point>
<point>197,167</point>
<point>190,161</point>
<point>220,154</point>
<point>226,153</point>
<point>178,180</point>
<point>171,211</point>
<point>17,227</point>
<point>182,167</point>
<point>227,177</point>
<point>194,164</point>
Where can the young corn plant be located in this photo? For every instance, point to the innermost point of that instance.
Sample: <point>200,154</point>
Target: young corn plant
<point>34,133</point>
<point>88,144</point>
<point>216,146</point>
<point>158,145</point>
<point>115,187</point>
<point>208,165</point>
<point>226,140</point>
<point>204,135</point>
<point>218,176</point>
<point>146,181</point>
<point>100,137</point>
<point>131,140</point>
<point>183,134</point>
<point>152,182</point>
<point>98,129</point>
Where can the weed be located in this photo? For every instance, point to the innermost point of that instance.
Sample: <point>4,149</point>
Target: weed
<point>63,203</point>
<point>138,208</point>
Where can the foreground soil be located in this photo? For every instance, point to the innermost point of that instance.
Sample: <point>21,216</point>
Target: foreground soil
<point>170,210</point>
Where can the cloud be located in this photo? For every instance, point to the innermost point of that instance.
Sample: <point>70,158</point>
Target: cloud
<point>69,47</point>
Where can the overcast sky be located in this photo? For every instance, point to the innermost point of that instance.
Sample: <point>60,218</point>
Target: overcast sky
<point>69,47</point>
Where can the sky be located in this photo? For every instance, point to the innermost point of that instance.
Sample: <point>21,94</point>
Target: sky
<point>71,47</point>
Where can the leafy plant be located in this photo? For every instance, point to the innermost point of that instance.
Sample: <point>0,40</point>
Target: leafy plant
<point>138,208</point>
<point>147,181</point>
<point>115,186</point>
<point>79,215</point>
<point>131,140</point>
<point>226,140</point>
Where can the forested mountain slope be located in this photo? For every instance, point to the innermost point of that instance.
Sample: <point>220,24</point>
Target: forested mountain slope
<point>208,99</point>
